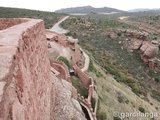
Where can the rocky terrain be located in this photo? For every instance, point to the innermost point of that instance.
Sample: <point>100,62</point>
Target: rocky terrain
<point>113,69</point>
<point>122,48</point>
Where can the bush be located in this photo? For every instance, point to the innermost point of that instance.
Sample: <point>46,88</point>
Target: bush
<point>157,80</point>
<point>119,34</point>
<point>141,109</point>
<point>117,118</point>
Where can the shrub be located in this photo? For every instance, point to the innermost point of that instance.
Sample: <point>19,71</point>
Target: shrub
<point>157,80</point>
<point>127,101</point>
<point>119,34</point>
<point>117,118</point>
<point>141,109</point>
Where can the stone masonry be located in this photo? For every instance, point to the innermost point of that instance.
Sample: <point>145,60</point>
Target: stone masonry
<point>25,84</point>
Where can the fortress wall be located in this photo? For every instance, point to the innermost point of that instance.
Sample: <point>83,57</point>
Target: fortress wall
<point>86,81</point>
<point>61,68</point>
<point>76,57</point>
<point>25,85</point>
<point>6,23</point>
<point>62,39</point>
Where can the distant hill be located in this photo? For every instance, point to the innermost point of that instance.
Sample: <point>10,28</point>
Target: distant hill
<point>139,10</point>
<point>155,10</point>
<point>87,9</point>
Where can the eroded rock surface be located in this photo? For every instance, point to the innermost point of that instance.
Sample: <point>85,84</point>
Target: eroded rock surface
<point>66,106</point>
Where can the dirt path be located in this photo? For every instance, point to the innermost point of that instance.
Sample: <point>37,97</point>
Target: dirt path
<point>58,29</point>
<point>63,50</point>
<point>86,64</point>
<point>140,25</point>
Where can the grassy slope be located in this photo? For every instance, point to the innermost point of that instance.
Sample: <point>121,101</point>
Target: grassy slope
<point>114,96</point>
<point>49,17</point>
<point>103,44</point>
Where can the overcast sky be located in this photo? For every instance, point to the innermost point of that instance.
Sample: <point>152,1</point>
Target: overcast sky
<point>52,5</point>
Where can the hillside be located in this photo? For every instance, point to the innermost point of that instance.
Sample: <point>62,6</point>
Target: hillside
<point>49,17</point>
<point>107,45</point>
<point>145,10</point>
<point>124,83</point>
<point>87,9</point>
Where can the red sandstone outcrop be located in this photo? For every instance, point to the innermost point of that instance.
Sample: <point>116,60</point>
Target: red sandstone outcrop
<point>136,38</point>
<point>148,50</point>
<point>66,106</point>
<point>135,34</point>
<point>143,26</point>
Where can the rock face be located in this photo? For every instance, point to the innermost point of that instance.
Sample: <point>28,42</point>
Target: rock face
<point>148,50</point>
<point>66,106</point>
<point>25,84</point>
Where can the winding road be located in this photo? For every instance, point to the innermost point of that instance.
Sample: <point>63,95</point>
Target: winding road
<point>58,29</point>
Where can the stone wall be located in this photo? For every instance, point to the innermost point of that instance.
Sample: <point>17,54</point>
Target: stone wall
<point>76,58</point>
<point>53,36</point>
<point>61,68</point>
<point>87,82</point>
<point>25,84</point>
<point>6,23</point>
<point>89,106</point>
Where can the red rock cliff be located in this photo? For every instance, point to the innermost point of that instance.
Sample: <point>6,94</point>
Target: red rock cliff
<point>25,84</point>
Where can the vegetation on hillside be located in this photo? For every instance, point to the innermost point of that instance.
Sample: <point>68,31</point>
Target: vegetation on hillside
<point>103,40</point>
<point>100,36</point>
<point>49,17</point>
<point>76,82</point>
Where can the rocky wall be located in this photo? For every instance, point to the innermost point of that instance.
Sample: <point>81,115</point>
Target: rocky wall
<point>61,68</point>
<point>6,23</point>
<point>25,84</point>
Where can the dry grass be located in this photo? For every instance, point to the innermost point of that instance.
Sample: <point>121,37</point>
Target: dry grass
<point>109,91</point>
